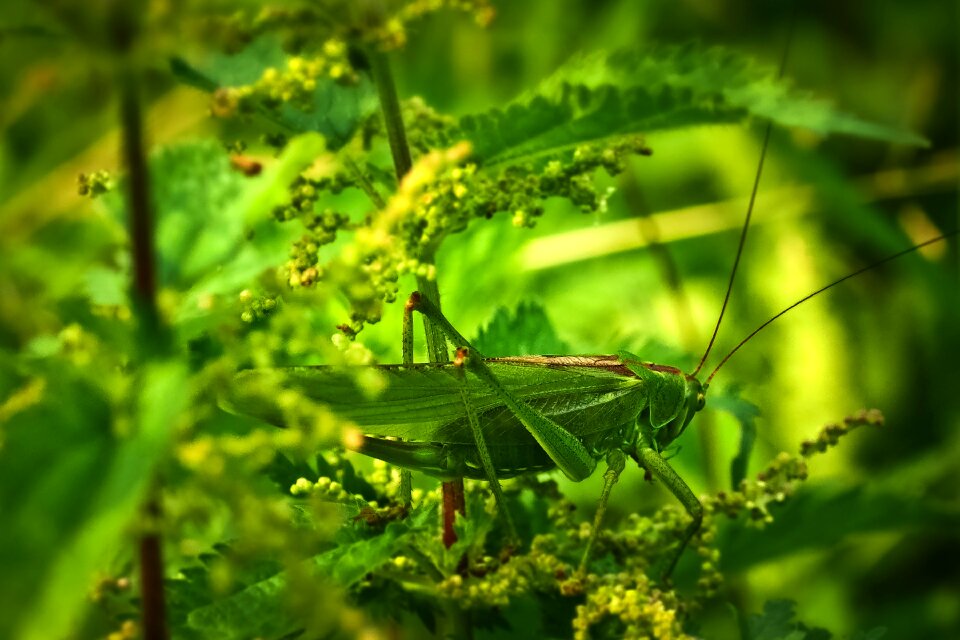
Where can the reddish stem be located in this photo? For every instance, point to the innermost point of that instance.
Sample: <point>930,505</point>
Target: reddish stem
<point>453,502</point>
<point>151,579</point>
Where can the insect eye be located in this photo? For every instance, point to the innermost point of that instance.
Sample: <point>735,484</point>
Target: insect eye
<point>701,401</point>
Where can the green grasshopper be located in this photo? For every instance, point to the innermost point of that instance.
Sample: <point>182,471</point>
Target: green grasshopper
<point>493,418</point>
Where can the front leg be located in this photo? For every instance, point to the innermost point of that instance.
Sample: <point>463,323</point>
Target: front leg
<point>653,462</point>
<point>563,447</point>
<point>417,303</point>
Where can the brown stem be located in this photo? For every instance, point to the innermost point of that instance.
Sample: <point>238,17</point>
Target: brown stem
<point>151,576</point>
<point>144,286</point>
<point>151,337</point>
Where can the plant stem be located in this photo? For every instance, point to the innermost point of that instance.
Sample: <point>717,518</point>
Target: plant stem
<point>390,106</point>
<point>144,286</point>
<point>151,336</point>
<point>151,575</point>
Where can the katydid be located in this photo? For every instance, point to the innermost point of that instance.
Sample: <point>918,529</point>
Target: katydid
<point>493,418</point>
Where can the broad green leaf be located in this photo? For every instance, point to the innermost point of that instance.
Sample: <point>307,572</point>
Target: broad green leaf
<point>600,95</point>
<point>746,413</point>
<point>193,189</point>
<point>87,487</point>
<point>336,109</point>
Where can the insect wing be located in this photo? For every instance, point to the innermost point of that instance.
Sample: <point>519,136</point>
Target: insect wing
<point>422,402</point>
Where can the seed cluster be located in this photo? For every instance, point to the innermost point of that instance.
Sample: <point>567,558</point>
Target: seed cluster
<point>379,24</point>
<point>381,27</point>
<point>425,127</point>
<point>295,84</point>
<point>831,434</point>
<point>643,610</point>
<point>256,308</point>
<point>94,184</point>
<point>440,196</point>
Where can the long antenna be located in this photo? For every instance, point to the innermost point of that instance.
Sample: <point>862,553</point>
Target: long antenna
<point>829,286</point>
<point>746,221</point>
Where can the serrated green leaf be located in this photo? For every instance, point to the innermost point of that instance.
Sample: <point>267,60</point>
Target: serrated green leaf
<point>471,532</point>
<point>777,623</point>
<point>641,91</point>
<point>214,230</point>
<point>525,331</point>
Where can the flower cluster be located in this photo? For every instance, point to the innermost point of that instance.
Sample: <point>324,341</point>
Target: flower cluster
<point>327,489</point>
<point>392,33</point>
<point>128,631</point>
<point>521,189</point>
<point>387,480</point>
<point>831,434</point>
<point>494,590</point>
<point>310,427</point>
<point>772,485</point>
<point>377,26</point>
<point>643,610</point>
<point>440,196</point>
<point>94,184</point>
<point>421,213</point>
<point>382,25</point>
<point>493,582</point>
<point>256,308</point>
<point>294,84</point>
<point>424,126</point>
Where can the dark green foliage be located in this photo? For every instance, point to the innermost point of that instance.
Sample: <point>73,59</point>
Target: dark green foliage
<point>596,96</point>
<point>839,513</point>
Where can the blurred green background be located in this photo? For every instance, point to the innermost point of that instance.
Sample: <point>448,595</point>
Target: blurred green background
<point>888,340</point>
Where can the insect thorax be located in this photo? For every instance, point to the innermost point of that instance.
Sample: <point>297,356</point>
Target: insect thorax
<point>660,436</point>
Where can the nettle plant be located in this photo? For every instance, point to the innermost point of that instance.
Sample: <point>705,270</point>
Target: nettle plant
<point>319,210</point>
